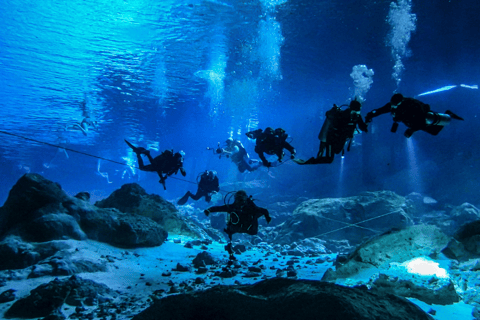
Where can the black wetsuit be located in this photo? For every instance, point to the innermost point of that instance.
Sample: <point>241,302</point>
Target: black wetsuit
<point>206,187</point>
<point>270,144</point>
<point>243,218</point>
<point>165,164</point>
<point>339,126</point>
<point>411,112</point>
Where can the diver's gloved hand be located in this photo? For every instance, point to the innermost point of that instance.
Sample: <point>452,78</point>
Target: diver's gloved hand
<point>183,172</point>
<point>207,212</point>
<point>268,218</point>
<point>292,156</point>
<point>368,117</point>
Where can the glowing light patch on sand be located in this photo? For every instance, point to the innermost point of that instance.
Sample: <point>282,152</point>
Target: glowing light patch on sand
<point>425,267</point>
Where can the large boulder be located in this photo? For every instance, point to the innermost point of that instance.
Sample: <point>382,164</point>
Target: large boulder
<point>121,229</point>
<point>394,246</point>
<point>31,193</point>
<point>38,210</point>
<point>465,244</point>
<point>334,218</point>
<point>133,199</point>
<point>283,299</point>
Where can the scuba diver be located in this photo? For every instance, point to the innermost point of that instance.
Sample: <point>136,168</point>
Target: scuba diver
<point>338,127</point>
<point>86,123</point>
<point>207,186</point>
<point>165,164</point>
<point>415,114</point>
<point>242,216</point>
<point>235,150</point>
<point>271,142</point>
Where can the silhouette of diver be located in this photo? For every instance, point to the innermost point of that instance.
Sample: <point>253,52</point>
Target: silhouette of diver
<point>242,217</point>
<point>207,186</point>
<point>415,114</point>
<point>338,127</point>
<point>165,164</point>
<point>271,142</point>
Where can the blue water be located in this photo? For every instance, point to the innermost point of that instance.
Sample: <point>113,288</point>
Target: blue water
<point>188,74</point>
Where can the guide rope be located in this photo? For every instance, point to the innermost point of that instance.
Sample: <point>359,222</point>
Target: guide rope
<point>80,152</point>
<point>356,224</point>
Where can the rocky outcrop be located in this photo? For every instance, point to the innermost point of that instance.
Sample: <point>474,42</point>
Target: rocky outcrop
<point>335,217</point>
<point>283,299</point>
<point>431,290</point>
<point>38,210</point>
<point>465,243</point>
<point>28,196</point>
<point>393,246</point>
<point>133,199</point>
<point>48,299</point>
<point>17,254</point>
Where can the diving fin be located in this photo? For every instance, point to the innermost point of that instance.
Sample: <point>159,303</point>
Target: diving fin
<point>312,160</point>
<point>131,146</point>
<point>137,150</point>
<point>453,115</point>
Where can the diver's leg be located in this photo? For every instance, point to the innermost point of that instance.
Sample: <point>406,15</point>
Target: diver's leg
<point>329,155</point>
<point>184,199</point>
<point>198,195</point>
<point>321,149</point>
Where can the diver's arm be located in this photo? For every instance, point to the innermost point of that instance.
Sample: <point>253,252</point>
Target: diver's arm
<point>289,147</point>
<point>362,125</point>
<point>216,184</point>
<point>232,152</point>
<point>263,212</point>
<point>223,208</point>
<point>376,112</point>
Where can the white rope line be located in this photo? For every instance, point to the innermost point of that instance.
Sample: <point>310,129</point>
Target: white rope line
<point>355,224</point>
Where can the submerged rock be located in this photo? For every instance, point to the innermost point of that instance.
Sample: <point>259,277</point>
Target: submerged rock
<point>465,242</point>
<point>49,298</point>
<point>133,199</point>
<point>393,246</point>
<point>312,218</point>
<point>286,299</point>
<point>38,210</point>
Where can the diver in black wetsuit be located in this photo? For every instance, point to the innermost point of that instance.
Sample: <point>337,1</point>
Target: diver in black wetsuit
<point>207,186</point>
<point>338,127</point>
<point>242,217</point>
<point>165,164</point>
<point>415,114</point>
<point>271,142</point>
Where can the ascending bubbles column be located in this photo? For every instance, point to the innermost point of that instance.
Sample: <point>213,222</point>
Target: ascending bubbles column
<point>402,23</point>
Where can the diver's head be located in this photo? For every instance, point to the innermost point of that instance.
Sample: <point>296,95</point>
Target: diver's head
<point>241,196</point>
<point>355,105</point>
<point>180,154</point>
<point>210,174</point>
<point>396,99</point>
<point>229,141</point>
<point>269,130</point>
